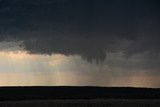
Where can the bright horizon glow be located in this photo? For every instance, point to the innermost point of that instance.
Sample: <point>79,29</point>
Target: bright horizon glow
<point>19,68</point>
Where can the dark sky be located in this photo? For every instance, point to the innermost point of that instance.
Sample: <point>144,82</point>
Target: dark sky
<point>122,35</point>
<point>89,28</point>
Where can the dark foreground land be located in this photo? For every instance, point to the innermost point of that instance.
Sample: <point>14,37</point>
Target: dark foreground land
<point>50,93</point>
<point>82,103</point>
<point>78,97</point>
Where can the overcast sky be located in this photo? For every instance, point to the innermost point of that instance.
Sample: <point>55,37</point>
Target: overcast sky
<point>80,42</point>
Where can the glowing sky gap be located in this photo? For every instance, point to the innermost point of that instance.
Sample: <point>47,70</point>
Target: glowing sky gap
<point>23,69</point>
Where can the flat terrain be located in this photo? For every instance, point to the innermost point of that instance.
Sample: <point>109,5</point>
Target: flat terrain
<point>50,93</point>
<point>79,97</point>
<point>82,103</point>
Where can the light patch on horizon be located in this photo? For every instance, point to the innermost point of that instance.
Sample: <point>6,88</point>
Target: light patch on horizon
<point>19,68</point>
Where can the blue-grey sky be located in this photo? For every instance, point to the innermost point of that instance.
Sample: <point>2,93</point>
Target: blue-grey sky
<point>80,42</point>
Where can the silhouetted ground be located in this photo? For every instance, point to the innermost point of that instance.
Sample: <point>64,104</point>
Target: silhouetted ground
<point>83,103</point>
<point>61,93</point>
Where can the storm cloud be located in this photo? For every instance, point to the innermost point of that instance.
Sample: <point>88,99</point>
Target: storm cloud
<point>89,28</point>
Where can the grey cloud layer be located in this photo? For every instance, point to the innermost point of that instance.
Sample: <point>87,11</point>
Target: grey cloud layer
<point>90,28</point>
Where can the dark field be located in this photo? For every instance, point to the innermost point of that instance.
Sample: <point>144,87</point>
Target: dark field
<point>78,97</point>
<point>83,103</point>
<point>50,93</point>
